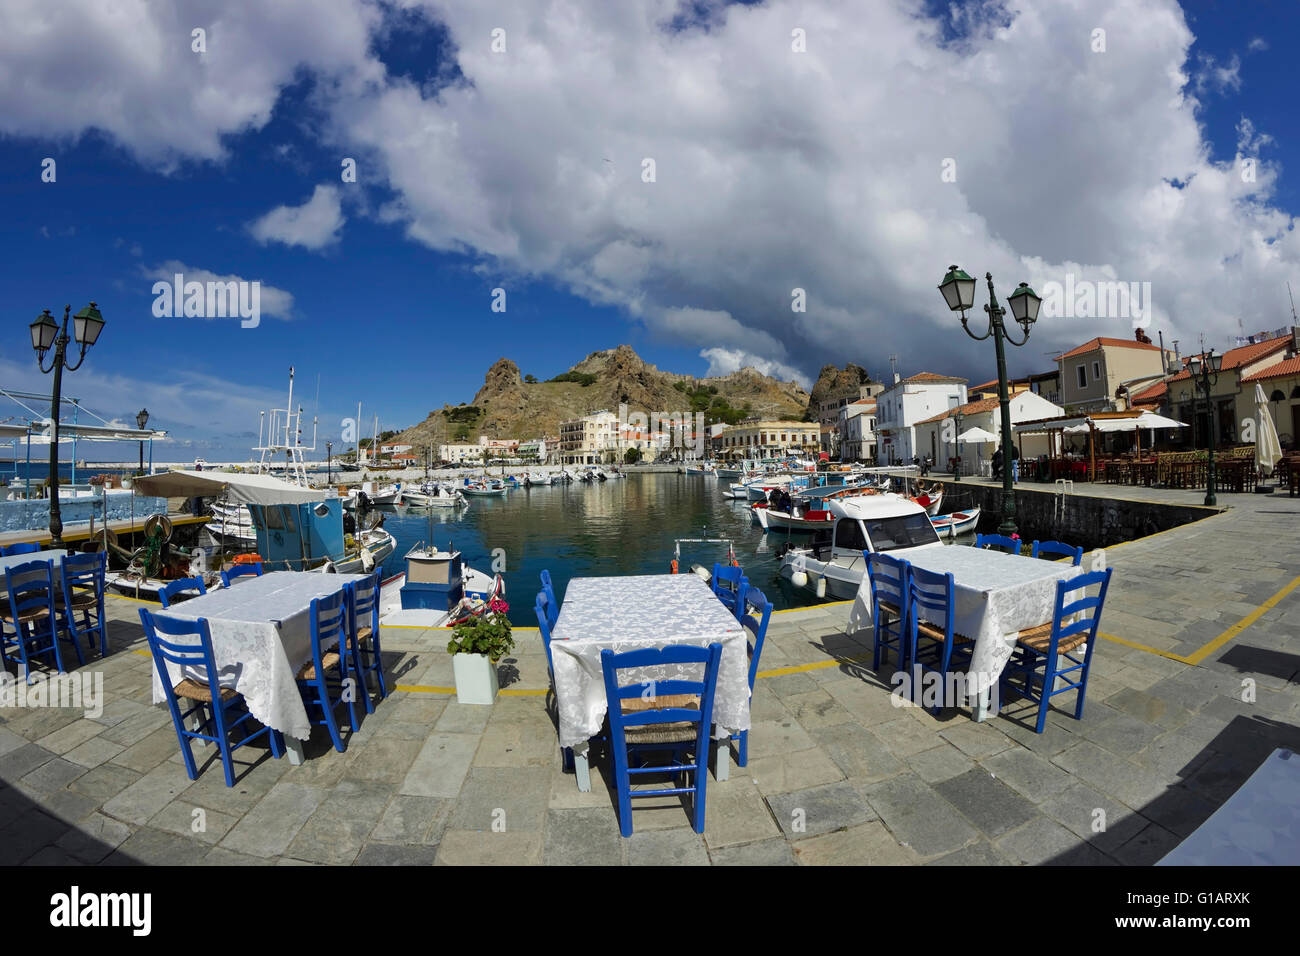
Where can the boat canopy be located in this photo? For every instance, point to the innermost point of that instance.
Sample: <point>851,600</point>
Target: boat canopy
<point>241,489</point>
<point>874,506</point>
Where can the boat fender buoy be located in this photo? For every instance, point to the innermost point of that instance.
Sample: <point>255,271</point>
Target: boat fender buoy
<point>799,579</point>
<point>820,589</point>
<point>672,566</point>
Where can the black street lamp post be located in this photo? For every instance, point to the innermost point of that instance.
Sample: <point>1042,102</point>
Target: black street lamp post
<point>142,419</point>
<point>1205,375</point>
<point>956,468</point>
<point>46,333</point>
<point>329,463</point>
<point>958,290</point>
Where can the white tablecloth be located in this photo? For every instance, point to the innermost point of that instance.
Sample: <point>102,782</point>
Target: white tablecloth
<point>261,637</point>
<point>12,560</point>
<point>636,611</point>
<point>997,595</point>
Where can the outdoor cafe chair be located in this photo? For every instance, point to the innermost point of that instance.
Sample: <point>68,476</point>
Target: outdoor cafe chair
<point>1046,654</point>
<point>216,720</point>
<point>997,542</point>
<point>943,647</point>
<point>27,547</point>
<point>756,624</point>
<point>29,612</point>
<point>82,580</point>
<point>673,716</point>
<point>1045,550</point>
<point>363,635</point>
<point>239,570</point>
<point>729,584</point>
<point>328,679</point>
<point>168,591</point>
<point>889,582</point>
<point>542,608</point>
<point>552,605</point>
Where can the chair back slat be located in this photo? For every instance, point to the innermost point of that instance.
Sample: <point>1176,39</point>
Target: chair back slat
<point>756,623</point>
<point>198,651</point>
<point>30,585</point>
<point>552,603</point>
<point>26,547</point>
<point>997,542</point>
<point>888,578</point>
<point>612,663</point>
<point>239,570</point>
<point>1053,550</point>
<point>169,590</point>
<point>934,592</point>
<point>83,570</point>
<point>1062,625</point>
<point>543,611</point>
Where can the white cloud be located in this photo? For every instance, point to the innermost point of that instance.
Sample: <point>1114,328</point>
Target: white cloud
<point>276,303</point>
<point>726,361</point>
<point>775,170</point>
<point>1257,44</point>
<point>313,225</point>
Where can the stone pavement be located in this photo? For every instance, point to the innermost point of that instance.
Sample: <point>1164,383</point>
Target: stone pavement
<point>837,773</point>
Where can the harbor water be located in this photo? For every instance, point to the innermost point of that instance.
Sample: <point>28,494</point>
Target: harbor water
<point>617,527</point>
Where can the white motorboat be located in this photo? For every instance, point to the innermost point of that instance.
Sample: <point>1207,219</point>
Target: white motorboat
<point>437,589</point>
<point>434,495</point>
<point>833,565</point>
<point>957,523</point>
<point>703,468</point>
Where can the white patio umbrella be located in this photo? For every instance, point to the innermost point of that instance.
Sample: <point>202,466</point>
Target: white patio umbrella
<point>1268,449</point>
<point>977,436</point>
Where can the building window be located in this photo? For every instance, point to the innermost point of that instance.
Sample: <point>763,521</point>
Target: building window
<point>1083,376</point>
<point>1096,371</point>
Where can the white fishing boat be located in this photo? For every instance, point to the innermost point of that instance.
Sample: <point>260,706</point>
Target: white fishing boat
<point>833,565</point>
<point>957,523</point>
<point>484,489</point>
<point>701,468</point>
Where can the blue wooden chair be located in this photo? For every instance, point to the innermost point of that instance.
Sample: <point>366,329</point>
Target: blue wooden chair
<point>239,570</point>
<point>545,621</point>
<point>27,547</point>
<point>997,542</point>
<point>168,591</point>
<point>329,678</point>
<point>672,716</point>
<point>552,605</point>
<point>1047,653</point>
<point>363,635</point>
<point>1053,550</point>
<point>756,623</point>
<point>216,720</point>
<point>31,617</point>
<point>933,648</point>
<point>729,584</point>
<point>82,580</point>
<point>889,603</point>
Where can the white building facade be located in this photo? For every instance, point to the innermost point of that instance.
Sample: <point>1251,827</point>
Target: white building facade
<point>908,401</point>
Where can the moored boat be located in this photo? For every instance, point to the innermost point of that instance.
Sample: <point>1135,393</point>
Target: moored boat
<point>957,523</point>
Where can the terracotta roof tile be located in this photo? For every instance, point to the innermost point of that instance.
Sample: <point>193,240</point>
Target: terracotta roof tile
<point>1281,370</point>
<point>1242,355</point>
<point>1151,395</point>
<point>970,408</point>
<point>1101,341</point>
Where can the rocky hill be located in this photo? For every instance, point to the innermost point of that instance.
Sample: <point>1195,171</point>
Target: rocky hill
<point>508,407</point>
<point>832,380</point>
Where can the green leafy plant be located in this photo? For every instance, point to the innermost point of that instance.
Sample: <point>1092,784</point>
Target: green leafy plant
<point>489,633</point>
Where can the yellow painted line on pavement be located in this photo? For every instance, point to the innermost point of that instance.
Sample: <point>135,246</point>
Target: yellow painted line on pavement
<point>1197,656</point>
<point>1144,647</point>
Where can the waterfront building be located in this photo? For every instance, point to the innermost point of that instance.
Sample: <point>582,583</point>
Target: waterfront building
<point>1281,384</point>
<point>940,443</point>
<point>771,439</point>
<point>828,410</point>
<point>460,453</point>
<point>1092,374</point>
<point>906,402</point>
<point>856,427</point>
<point>1232,395</point>
<point>585,440</point>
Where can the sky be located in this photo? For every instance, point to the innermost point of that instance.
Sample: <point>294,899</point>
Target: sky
<point>778,184</point>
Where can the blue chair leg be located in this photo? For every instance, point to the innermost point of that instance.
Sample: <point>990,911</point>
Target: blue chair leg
<point>362,686</point>
<point>378,665</point>
<point>277,744</point>
<point>186,753</point>
<point>701,782</point>
<point>566,760</point>
<point>1049,682</point>
<point>742,749</point>
<point>223,738</point>
<point>323,694</point>
<point>623,784</point>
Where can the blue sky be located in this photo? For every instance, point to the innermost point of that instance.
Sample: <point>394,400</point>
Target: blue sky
<point>524,172</point>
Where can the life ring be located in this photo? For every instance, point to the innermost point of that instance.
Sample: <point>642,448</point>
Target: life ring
<point>158,522</point>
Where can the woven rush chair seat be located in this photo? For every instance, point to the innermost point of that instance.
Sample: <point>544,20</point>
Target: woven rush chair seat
<point>363,634</point>
<point>1040,638</point>
<point>936,633</point>
<point>31,614</point>
<point>193,690</point>
<point>892,608</point>
<point>329,661</point>
<point>80,599</point>
<point>679,731</point>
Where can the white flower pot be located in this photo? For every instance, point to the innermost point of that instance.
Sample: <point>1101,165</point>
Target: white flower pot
<point>476,678</point>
